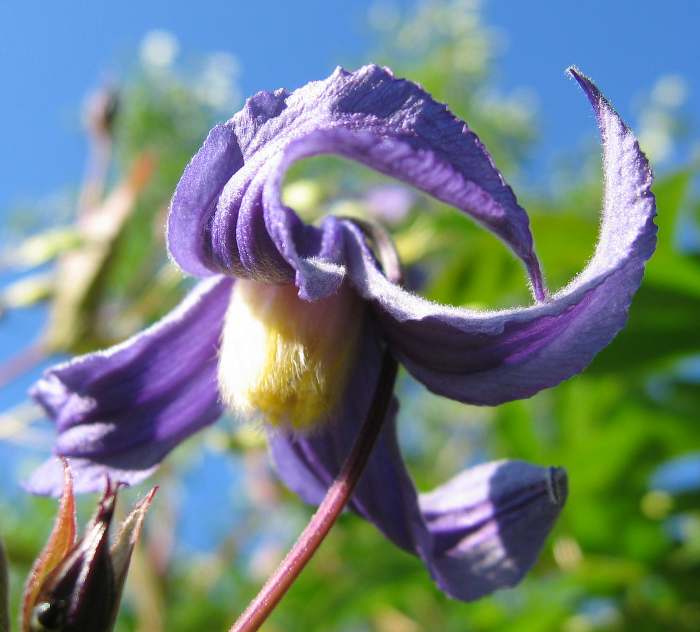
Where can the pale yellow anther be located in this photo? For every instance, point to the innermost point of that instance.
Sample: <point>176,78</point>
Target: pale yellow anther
<point>285,360</point>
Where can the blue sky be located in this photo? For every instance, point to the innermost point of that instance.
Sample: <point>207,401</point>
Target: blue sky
<point>52,53</point>
<point>625,46</point>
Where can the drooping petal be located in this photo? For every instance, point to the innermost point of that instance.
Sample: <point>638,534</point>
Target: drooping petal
<point>490,522</point>
<point>226,214</point>
<point>493,357</point>
<point>308,463</point>
<point>480,531</point>
<point>121,411</point>
<point>91,473</point>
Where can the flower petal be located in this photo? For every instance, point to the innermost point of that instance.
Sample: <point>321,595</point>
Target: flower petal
<point>90,475</point>
<point>489,524</point>
<point>196,196</point>
<point>308,463</point>
<point>389,124</point>
<point>480,531</point>
<point>493,357</point>
<point>122,410</point>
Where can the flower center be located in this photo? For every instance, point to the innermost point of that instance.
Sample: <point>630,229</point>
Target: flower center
<point>284,359</point>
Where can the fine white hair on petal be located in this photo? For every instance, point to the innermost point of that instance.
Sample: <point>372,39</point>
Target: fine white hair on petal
<point>493,357</point>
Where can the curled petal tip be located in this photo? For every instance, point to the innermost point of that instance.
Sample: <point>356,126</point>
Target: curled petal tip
<point>583,80</point>
<point>537,284</point>
<point>594,95</point>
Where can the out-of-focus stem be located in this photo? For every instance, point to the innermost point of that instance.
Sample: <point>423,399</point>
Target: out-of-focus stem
<point>100,111</point>
<point>22,362</point>
<point>4,592</point>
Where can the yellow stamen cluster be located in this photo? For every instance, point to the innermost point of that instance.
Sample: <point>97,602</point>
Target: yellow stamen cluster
<point>283,359</point>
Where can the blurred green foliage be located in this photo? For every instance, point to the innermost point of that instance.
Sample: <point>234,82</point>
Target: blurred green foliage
<point>624,556</point>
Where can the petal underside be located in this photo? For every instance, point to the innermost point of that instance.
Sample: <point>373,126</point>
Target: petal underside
<point>227,215</point>
<point>479,532</point>
<point>119,412</point>
<point>493,357</point>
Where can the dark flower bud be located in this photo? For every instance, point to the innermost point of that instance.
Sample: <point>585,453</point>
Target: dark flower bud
<point>75,585</point>
<point>79,593</point>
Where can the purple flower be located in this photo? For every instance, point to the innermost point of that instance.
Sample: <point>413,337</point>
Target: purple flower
<point>291,320</point>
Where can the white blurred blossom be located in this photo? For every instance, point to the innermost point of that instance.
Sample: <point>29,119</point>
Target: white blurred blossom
<point>159,49</point>
<point>670,91</point>
<point>218,83</point>
<point>660,121</point>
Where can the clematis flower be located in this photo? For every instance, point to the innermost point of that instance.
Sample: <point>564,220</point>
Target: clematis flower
<point>290,322</point>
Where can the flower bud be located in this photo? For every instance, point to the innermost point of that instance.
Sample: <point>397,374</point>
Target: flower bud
<point>79,594</point>
<point>75,585</point>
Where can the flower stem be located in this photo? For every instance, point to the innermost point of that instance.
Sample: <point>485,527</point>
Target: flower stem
<point>338,495</point>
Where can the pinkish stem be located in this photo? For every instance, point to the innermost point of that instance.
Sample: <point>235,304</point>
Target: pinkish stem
<point>328,511</point>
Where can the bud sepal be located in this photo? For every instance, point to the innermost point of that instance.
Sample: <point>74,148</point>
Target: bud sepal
<point>76,584</point>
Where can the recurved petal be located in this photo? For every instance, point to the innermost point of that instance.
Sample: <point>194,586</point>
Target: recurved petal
<point>120,411</point>
<point>389,124</point>
<point>488,524</point>
<point>196,196</point>
<point>480,531</point>
<point>493,357</point>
